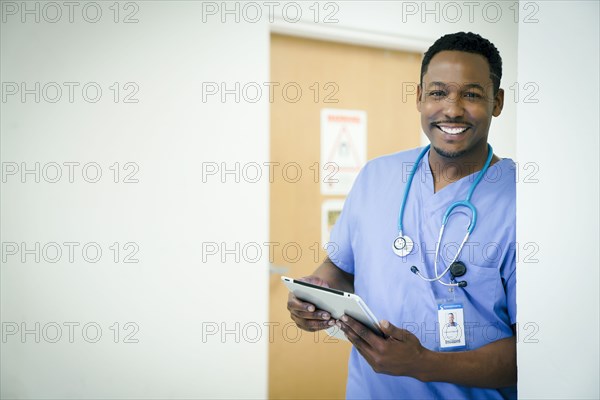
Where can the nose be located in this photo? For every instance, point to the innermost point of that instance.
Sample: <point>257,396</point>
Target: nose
<point>453,107</point>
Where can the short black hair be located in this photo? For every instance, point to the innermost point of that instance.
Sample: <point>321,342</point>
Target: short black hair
<point>470,43</point>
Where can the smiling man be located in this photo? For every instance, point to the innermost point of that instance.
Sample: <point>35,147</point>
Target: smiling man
<point>430,231</point>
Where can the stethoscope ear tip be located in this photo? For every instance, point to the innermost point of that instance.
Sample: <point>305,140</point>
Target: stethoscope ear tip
<point>414,269</point>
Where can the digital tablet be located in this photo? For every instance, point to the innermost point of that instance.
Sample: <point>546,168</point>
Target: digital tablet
<point>335,302</point>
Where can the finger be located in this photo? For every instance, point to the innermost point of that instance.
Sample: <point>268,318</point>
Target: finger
<point>359,344</point>
<point>392,331</point>
<point>360,329</point>
<point>318,314</point>
<point>295,303</point>
<point>355,335</point>
<point>306,310</point>
<point>312,324</point>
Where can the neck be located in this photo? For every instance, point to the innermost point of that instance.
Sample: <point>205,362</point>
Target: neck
<point>446,170</point>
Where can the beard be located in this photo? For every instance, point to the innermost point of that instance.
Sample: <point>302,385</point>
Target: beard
<point>448,154</point>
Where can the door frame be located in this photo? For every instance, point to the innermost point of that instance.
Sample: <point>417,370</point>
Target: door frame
<point>361,37</point>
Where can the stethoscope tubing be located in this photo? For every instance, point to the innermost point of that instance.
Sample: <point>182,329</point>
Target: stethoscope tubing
<point>464,203</point>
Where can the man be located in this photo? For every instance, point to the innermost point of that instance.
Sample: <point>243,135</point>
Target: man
<point>451,319</point>
<point>458,95</point>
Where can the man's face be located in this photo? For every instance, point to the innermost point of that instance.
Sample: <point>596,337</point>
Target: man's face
<point>450,318</point>
<point>457,102</point>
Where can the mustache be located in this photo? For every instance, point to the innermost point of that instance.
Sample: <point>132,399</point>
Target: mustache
<point>451,121</point>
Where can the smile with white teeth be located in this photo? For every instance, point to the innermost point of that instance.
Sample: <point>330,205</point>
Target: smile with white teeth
<point>453,130</point>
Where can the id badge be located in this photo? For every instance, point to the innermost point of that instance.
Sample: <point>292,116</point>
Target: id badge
<point>451,321</point>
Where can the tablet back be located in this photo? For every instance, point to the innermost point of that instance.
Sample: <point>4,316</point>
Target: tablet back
<point>336,302</point>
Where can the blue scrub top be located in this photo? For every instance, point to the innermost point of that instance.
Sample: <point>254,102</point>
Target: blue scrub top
<point>362,245</point>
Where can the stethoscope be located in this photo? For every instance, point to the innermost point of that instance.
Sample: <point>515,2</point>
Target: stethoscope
<point>403,244</point>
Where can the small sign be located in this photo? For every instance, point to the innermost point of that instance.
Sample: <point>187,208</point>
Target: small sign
<point>343,149</point>
<point>330,211</point>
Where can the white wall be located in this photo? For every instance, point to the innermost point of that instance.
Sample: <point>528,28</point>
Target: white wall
<point>172,294</point>
<point>558,216</point>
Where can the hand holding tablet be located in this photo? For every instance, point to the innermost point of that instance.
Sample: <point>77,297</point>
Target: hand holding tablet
<point>329,305</point>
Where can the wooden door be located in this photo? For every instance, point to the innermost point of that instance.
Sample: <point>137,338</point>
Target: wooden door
<point>304,365</point>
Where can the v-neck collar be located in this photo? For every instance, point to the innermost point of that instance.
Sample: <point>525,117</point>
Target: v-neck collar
<point>455,191</point>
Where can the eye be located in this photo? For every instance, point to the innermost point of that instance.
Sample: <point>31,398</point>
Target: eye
<point>473,95</point>
<point>436,93</point>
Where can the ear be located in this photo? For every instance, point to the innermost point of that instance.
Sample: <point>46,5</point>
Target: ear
<point>498,103</point>
<point>419,92</point>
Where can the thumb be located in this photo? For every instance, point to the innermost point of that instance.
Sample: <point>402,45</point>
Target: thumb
<point>392,331</point>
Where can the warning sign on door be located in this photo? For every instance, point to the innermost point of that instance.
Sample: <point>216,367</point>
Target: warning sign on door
<point>343,149</point>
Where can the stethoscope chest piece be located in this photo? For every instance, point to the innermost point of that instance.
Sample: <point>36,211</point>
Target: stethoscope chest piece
<point>402,245</point>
